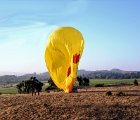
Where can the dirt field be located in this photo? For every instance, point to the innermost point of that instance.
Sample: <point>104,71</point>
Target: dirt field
<point>86,104</point>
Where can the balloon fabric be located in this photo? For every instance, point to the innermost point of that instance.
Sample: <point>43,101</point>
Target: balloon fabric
<point>62,56</point>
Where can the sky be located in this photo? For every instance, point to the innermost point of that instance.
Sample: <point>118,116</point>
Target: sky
<point>111,31</point>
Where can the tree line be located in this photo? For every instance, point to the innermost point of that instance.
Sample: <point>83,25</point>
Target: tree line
<point>113,75</point>
<point>6,79</point>
<point>32,85</point>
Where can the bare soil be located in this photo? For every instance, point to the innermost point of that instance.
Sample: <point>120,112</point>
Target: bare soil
<point>86,104</point>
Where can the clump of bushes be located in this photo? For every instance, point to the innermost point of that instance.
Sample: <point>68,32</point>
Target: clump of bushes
<point>135,82</point>
<point>99,85</point>
<point>108,93</point>
<point>0,93</point>
<point>119,93</point>
<point>65,99</point>
<point>45,105</point>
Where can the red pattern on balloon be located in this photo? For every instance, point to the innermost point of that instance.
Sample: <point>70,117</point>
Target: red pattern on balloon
<point>69,71</point>
<point>76,58</point>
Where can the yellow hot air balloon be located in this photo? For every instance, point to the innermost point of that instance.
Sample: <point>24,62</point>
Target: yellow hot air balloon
<point>63,52</point>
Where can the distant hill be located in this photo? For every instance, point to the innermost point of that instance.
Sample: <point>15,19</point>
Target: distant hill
<point>99,74</point>
<point>15,79</point>
<point>81,72</point>
<point>116,70</point>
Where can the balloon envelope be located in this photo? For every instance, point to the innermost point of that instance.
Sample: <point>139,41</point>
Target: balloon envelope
<point>62,55</point>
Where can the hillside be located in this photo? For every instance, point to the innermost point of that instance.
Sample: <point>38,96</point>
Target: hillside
<point>101,74</point>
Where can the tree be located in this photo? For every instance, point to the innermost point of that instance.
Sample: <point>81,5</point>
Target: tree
<point>51,83</point>
<point>135,82</point>
<point>80,80</point>
<point>83,81</point>
<point>28,86</point>
<point>86,81</point>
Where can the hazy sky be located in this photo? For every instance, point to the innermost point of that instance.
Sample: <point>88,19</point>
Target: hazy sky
<point>111,29</point>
